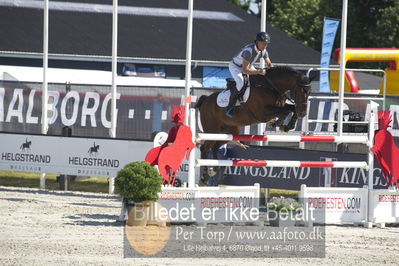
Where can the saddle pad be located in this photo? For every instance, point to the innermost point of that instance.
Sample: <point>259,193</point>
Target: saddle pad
<point>223,97</point>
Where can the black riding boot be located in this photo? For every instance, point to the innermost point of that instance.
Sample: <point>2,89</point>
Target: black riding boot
<point>232,101</point>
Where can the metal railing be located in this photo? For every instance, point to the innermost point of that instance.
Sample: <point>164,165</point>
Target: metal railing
<point>307,121</point>
<point>356,70</point>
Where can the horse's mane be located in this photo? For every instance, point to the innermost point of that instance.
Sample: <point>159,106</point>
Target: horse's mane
<point>278,70</point>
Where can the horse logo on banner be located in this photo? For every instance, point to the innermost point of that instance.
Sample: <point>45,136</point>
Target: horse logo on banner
<point>26,145</point>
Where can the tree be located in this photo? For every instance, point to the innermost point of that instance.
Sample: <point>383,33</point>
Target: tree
<point>370,23</point>
<point>387,28</point>
<point>243,4</point>
<point>300,19</point>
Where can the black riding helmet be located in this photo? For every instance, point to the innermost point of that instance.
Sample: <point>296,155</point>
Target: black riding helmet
<point>263,37</point>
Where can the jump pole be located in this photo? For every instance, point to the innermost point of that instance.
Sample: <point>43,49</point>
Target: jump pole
<point>370,145</point>
<point>278,163</point>
<point>283,138</point>
<point>191,162</point>
<point>371,165</point>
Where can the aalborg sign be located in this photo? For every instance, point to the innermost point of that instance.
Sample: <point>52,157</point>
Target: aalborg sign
<point>62,155</point>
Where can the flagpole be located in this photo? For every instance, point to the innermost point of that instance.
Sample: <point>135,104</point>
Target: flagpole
<point>111,187</point>
<point>44,121</point>
<point>342,67</point>
<point>262,126</point>
<point>188,58</point>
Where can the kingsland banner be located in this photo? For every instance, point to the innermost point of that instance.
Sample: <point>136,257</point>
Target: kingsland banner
<point>141,111</point>
<point>294,177</point>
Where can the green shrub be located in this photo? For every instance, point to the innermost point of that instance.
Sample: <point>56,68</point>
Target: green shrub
<point>281,203</point>
<point>138,181</point>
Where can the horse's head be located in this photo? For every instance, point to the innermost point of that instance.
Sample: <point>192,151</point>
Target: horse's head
<point>286,78</point>
<point>301,93</point>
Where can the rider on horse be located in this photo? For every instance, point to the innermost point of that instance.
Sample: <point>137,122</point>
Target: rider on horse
<point>242,64</point>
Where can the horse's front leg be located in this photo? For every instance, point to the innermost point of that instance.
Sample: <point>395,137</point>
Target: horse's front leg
<point>283,115</point>
<point>291,124</point>
<point>279,115</point>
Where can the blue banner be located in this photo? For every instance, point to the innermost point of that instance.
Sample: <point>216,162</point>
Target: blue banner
<point>329,31</point>
<point>215,77</point>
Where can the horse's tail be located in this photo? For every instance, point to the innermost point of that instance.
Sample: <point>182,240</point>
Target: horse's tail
<point>200,101</point>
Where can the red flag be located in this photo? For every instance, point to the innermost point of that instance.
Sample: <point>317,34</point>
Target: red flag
<point>170,157</point>
<point>385,150</point>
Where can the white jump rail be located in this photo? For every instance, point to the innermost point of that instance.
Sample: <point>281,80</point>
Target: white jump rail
<point>283,138</point>
<point>278,163</point>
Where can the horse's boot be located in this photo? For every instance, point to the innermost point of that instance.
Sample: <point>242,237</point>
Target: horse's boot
<point>232,101</point>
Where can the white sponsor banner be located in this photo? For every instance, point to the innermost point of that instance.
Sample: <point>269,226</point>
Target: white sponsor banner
<point>335,205</point>
<point>212,204</point>
<point>68,155</point>
<point>384,206</point>
<point>238,192</point>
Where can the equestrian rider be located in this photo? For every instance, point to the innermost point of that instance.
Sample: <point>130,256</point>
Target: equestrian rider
<point>243,62</point>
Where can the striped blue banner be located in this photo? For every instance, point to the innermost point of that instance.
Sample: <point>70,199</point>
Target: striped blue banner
<point>329,31</point>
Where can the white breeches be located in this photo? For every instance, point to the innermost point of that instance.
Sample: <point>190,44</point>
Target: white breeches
<point>236,73</point>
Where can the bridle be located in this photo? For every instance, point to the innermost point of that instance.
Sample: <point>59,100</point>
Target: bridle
<point>300,85</point>
<point>304,87</point>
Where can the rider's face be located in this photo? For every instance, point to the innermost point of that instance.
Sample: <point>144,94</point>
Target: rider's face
<point>261,45</point>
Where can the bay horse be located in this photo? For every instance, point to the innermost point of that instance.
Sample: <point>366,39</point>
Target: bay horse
<point>266,102</point>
